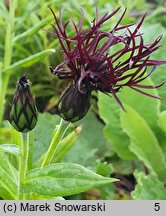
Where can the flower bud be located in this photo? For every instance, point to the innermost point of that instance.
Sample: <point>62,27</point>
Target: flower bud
<point>23,115</point>
<point>73,105</point>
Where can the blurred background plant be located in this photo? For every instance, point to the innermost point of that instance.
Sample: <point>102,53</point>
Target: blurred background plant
<point>119,147</point>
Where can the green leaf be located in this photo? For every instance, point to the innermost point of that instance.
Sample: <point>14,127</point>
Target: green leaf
<point>35,196</point>
<point>8,178</point>
<point>109,111</point>
<point>107,192</point>
<point>26,14</point>
<point>159,75</point>
<point>7,166</point>
<point>31,31</point>
<point>104,168</point>
<point>16,138</point>
<point>140,103</point>
<point>162,121</point>
<point>66,144</point>
<point>125,167</point>
<point>63,179</point>
<point>160,135</point>
<point>148,188</point>
<point>63,147</point>
<point>5,135</point>
<point>11,149</point>
<point>41,141</point>
<point>28,61</point>
<point>143,142</point>
<point>90,144</point>
<point>3,8</point>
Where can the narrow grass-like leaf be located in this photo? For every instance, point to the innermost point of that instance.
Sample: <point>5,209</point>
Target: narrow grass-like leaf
<point>28,61</point>
<point>62,179</point>
<point>63,147</point>
<point>31,31</point>
<point>26,14</point>
<point>66,144</point>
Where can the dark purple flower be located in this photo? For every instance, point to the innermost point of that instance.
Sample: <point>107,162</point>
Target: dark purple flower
<point>90,65</point>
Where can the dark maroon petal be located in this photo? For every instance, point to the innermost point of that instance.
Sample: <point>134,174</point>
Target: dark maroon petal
<point>148,86</point>
<point>119,21</point>
<point>155,62</point>
<point>145,93</point>
<point>60,40</point>
<point>56,20</point>
<point>106,45</point>
<point>137,80</point>
<point>117,99</point>
<point>103,20</point>
<point>139,25</point>
<point>125,27</point>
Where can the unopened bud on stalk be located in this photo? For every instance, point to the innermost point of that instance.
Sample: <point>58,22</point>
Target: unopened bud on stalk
<point>23,115</point>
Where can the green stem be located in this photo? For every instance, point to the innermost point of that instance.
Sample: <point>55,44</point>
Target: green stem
<point>31,148</point>
<point>7,57</point>
<point>23,163</point>
<point>59,133</point>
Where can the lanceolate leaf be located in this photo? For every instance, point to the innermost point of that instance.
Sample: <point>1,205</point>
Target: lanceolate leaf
<point>31,31</point>
<point>28,61</point>
<point>66,144</point>
<point>63,147</point>
<point>140,103</point>
<point>159,75</point>
<point>109,111</point>
<point>143,142</point>
<point>62,179</point>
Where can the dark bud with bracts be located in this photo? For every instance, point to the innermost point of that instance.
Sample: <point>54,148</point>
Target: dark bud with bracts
<point>23,115</point>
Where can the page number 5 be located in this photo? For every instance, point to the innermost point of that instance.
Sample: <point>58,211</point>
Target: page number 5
<point>157,207</point>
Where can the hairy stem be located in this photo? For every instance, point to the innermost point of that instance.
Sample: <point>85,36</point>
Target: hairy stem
<point>23,163</point>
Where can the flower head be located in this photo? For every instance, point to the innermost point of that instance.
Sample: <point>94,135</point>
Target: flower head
<point>23,115</point>
<point>89,63</point>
